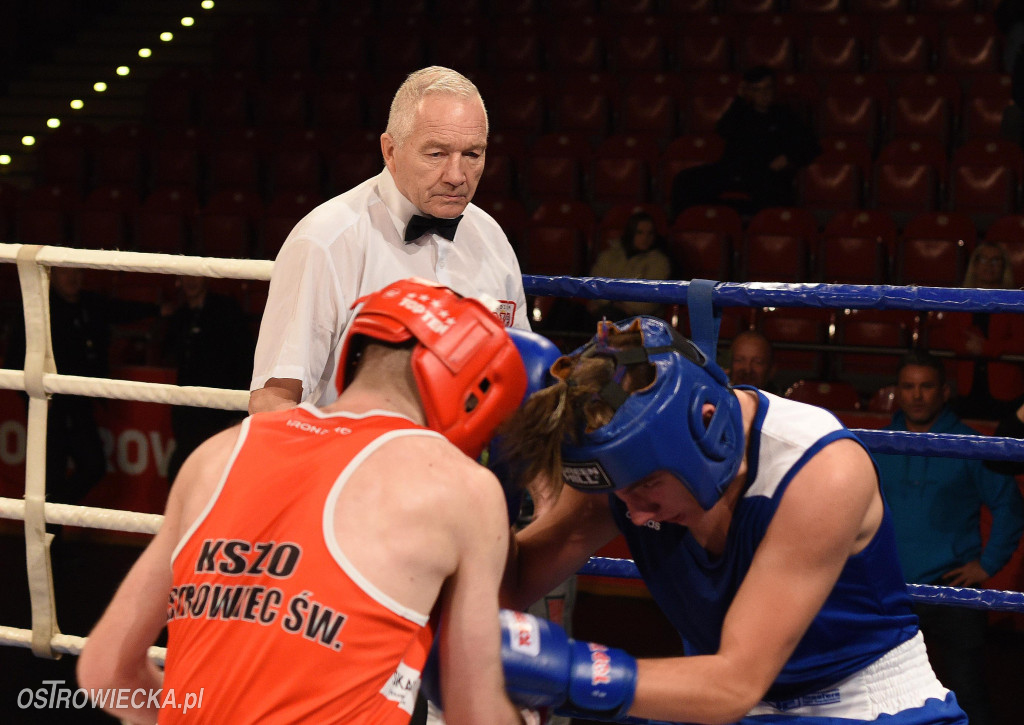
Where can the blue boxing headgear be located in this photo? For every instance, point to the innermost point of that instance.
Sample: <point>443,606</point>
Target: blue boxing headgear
<point>661,427</point>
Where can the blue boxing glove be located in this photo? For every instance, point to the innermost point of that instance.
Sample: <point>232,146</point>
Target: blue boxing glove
<point>544,667</point>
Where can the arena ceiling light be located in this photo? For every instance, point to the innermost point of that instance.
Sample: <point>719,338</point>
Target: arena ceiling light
<point>122,71</point>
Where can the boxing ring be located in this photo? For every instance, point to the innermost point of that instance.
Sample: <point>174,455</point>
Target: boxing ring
<point>39,379</point>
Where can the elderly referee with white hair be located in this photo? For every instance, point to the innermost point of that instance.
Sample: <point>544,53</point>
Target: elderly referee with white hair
<point>414,219</point>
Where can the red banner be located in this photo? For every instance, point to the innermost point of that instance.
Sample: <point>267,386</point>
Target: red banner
<point>137,442</point>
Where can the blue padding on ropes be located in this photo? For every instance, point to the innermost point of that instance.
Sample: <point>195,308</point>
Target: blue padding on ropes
<point>942,445</point>
<point>989,599</point>
<point>774,294</point>
<point>705,316</point>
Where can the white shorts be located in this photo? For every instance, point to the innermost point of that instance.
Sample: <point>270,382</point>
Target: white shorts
<point>900,688</point>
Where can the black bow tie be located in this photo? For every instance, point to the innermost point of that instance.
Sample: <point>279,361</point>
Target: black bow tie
<point>420,225</point>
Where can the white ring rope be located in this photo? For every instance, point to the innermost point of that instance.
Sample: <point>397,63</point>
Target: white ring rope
<point>94,518</point>
<point>63,643</point>
<point>40,380</point>
<point>132,390</point>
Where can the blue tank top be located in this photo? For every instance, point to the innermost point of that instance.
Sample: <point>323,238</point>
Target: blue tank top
<point>868,612</point>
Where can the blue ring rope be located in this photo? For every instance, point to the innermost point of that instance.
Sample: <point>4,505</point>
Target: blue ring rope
<point>732,294</point>
<point>777,294</point>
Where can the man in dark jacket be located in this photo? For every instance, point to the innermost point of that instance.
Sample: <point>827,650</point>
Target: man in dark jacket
<point>209,342</point>
<point>766,144</point>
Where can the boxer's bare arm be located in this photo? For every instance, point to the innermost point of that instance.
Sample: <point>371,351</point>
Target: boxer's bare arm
<point>277,394</point>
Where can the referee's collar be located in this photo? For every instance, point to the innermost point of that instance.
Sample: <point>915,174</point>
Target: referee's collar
<point>401,209</point>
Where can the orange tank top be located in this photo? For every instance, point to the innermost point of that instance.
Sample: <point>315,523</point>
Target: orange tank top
<point>268,621</point>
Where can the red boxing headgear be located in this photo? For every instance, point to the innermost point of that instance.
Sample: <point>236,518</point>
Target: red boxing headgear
<point>469,373</point>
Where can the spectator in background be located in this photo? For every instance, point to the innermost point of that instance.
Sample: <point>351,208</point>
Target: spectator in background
<point>639,254</point>
<point>80,332</point>
<point>985,386</point>
<point>751,361</point>
<point>209,343</point>
<point>936,507</point>
<point>766,144</point>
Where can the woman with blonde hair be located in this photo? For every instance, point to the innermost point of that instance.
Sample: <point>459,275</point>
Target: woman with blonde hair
<point>985,385</point>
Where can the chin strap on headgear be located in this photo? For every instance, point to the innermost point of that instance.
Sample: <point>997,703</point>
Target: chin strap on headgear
<point>660,427</point>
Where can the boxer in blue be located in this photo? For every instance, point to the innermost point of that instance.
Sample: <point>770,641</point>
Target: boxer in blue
<point>756,522</point>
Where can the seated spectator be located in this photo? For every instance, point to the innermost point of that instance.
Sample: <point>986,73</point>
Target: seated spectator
<point>209,343</point>
<point>639,254</point>
<point>985,386</point>
<point>752,362</point>
<point>766,144</point>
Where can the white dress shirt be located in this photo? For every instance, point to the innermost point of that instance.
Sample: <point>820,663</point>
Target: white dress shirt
<point>353,245</point>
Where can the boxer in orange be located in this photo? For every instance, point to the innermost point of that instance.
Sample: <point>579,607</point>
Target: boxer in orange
<point>308,556</point>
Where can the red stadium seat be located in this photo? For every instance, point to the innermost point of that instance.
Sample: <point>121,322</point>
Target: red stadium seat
<point>653,112</point>
<point>511,216</point>
<point>43,214</point>
<point>555,165</point>
<point>931,85</point>
<point>984,192</point>
<point>235,162</point>
<point>581,50</point>
<point>877,7</point>
<point>467,54</point>
<point>163,221</point>
<point>991,152</point>
<point>566,213</point>
<point>829,394</point>
<point>581,110</point>
<point>856,246</point>
<point>834,53</point>
<point>828,187</point>
<point>225,99</point>
<point>787,326</point>
<point>855,331</point>
<point>855,117</point>
<point>848,150</point>
<point>118,156</point>
<point>621,171</point>
<point>283,101</point>
<point>338,103</point>
<point>101,221</point>
<point>704,43</point>
<point>970,46</point>
<point>514,50</point>
<point>1009,232</point>
<point>638,51</point>
<point>172,98</point>
<point>774,50</point>
<point>710,96</point>
<point>983,115</point>
<point>933,249</point>
<point>702,241</point>
<point>778,245</point>
<point>227,224</point>
<point>921,116</point>
<point>555,251</point>
<point>893,52</point>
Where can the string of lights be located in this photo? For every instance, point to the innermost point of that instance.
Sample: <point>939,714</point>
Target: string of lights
<point>79,102</point>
